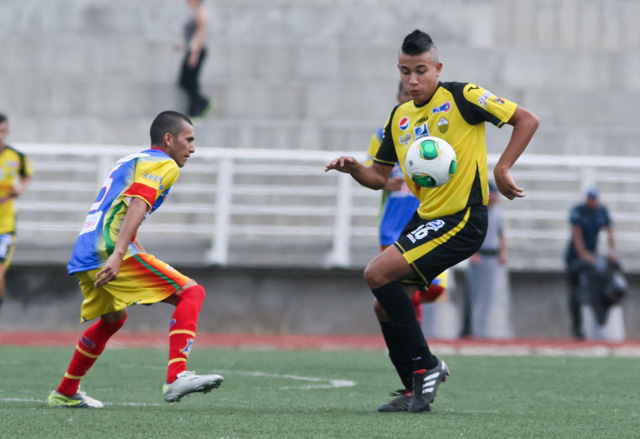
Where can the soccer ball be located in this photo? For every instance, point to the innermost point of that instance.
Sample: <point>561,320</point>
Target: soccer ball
<point>430,162</point>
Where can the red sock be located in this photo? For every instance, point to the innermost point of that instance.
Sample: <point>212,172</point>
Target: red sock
<point>89,348</point>
<point>182,330</point>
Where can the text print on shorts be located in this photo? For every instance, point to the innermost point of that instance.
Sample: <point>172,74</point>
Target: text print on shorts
<point>6,241</point>
<point>422,231</point>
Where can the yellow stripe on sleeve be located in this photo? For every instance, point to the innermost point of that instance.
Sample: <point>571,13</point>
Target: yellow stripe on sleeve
<point>175,360</point>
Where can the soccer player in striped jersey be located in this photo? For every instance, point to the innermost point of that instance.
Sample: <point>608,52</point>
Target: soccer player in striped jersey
<point>15,175</point>
<point>451,221</point>
<point>115,271</point>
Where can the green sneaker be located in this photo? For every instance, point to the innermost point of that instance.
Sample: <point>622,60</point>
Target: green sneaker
<point>188,382</point>
<point>78,401</point>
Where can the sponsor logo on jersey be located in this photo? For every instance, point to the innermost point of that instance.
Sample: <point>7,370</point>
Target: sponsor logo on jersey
<point>88,343</point>
<point>424,119</point>
<point>443,125</point>
<point>421,131</point>
<point>423,231</point>
<point>172,322</point>
<point>444,108</point>
<point>91,222</point>
<point>484,99</point>
<point>499,100</point>
<point>404,123</point>
<point>151,177</point>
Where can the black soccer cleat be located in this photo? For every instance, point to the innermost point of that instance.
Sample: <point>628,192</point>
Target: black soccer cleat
<point>425,386</point>
<point>398,404</point>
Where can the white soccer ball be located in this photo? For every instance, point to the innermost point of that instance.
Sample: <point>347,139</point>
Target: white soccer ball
<point>430,162</point>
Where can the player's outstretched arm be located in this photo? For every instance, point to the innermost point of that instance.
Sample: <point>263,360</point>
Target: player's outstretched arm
<point>132,220</point>
<point>374,176</point>
<point>525,123</point>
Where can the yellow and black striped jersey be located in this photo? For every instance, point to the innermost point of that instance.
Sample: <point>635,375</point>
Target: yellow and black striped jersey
<point>456,113</point>
<point>13,165</point>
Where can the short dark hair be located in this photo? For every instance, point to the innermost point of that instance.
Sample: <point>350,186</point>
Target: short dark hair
<point>3,118</point>
<point>417,43</point>
<point>167,122</point>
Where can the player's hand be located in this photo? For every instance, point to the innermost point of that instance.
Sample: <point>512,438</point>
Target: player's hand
<point>394,184</point>
<point>344,164</point>
<point>589,257</point>
<point>475,258</point>
<point>506,185</point>
<point>109,272</point>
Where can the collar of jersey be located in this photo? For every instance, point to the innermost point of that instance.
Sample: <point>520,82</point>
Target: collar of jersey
<point>429,100</point>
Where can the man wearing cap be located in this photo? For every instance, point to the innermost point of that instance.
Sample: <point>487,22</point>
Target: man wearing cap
<point>482,273</point>
<point>587,220</point>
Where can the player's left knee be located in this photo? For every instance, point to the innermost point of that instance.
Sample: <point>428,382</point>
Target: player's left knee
<point>195,292</point>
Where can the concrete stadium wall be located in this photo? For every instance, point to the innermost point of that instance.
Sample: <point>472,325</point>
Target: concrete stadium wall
<point>316,74</point>
<point>283,301</point>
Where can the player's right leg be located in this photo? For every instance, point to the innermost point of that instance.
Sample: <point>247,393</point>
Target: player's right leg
<point>182,333</point>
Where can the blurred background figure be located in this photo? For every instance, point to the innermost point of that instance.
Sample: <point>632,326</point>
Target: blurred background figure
<point>15,174</point>
<point>586,270</point>
<point>195,32</point>
<point>488,305</point>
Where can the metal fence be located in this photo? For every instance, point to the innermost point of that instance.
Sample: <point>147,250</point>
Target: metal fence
<point>261,200</point>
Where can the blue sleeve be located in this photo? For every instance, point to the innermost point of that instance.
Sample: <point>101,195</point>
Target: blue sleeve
<point>574,217</point>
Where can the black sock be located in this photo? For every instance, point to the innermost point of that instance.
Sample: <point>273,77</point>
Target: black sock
<point>403,318</point>
<point>398,356</point>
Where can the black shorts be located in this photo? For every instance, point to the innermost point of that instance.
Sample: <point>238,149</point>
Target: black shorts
<point>432,246</point>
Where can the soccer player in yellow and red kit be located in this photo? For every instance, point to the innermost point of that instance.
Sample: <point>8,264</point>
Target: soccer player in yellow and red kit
<point>15,175</point>
<point>451,221</point>
<point>114,270</point>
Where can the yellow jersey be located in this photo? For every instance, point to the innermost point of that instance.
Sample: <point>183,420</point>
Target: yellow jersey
<point>13,165</point>
<point>456,113</point>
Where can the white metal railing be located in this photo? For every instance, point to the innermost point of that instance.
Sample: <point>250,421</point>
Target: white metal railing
<point>232,184</point>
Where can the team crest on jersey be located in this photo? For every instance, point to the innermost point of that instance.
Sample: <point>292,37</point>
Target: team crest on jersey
<point>404,123</point>
<point>484,99</point>
<point>444,108</point>
<point>88,343</point>
<point>443,125</point>
<point>187,349</point>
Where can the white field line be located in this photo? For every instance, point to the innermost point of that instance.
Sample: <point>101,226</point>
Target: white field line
<point>327,382</point>
<point>43,401</point>
<point>323,383</point>
<point>543,351</point>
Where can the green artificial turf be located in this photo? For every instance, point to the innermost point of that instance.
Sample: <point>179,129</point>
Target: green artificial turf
<point>307,394</point>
